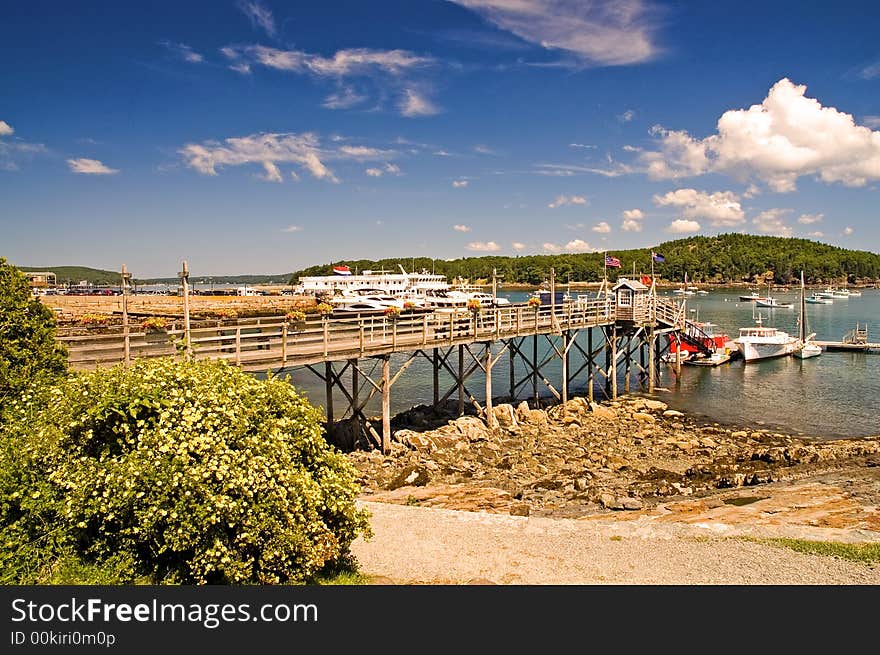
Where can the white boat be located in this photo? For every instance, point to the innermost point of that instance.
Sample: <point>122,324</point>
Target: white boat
<point>806,347</point>
<point>343,280</point>
<point>772,303</point>
<point>760,342</point>
<point>816,299</point>
<point>752,297</point>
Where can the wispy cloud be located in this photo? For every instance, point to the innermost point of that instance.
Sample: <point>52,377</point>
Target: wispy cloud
<point>847,231</point>
<point>5,129</point>
<point>785,137</point>
<point>516,245</point>
<point>90,167</point>
<point>14,150</point>
<point>459,184</point>
<point>871,121</point>
<point>809,219</point>
<point>563,201</point>
<point>870,72</point>
<point>346,98</point>
<point>567,170</point>
<point>182,51</point>
<point>413,103</point>
<point>483,246</point>
<point>260,16</point>
<point>293,228</point>
<point>582,145</point>
<point>461,228</point>
<point>269,149</point>
<point>626,116</point>
<point>482,149</point>
<point>612,32</point>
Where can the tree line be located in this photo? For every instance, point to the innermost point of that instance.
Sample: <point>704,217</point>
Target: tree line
<point>722,259</point>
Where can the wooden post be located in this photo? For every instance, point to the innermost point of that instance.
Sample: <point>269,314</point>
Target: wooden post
<point>238,345</point>
<point>651,364</point>
<point>590,364</point>
<point>487,367</point>
<point>354,386</point>
<point>326,322</point>
<point>512,374</point>
<point>328,385</point>
<point>566,336</point>
<point>614,362</point>
<point>436,375</point>
<point>283,344</point>
<point>386,404</point>
<point>126,339</point>
<point>460,379</point>
<point>628,364</point>
<point>535,367</point>
<point>184,280</point>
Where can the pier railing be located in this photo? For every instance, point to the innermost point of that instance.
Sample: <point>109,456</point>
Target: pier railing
<point>274,342</point>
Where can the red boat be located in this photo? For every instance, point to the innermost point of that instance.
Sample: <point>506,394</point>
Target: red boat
<point>700,339</point>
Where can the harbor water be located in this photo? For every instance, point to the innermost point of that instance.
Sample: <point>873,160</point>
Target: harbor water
<point>834,395</point>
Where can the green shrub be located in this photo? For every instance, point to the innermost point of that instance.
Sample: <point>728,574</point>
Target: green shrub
<point>173,473</point>
<point>29,352</point>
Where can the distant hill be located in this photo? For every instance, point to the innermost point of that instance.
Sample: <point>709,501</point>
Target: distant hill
<point>100,277</point>
<point>726,258</point>
<point>77,274</point>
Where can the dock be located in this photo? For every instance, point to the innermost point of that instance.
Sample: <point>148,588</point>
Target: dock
<point>855,340</point>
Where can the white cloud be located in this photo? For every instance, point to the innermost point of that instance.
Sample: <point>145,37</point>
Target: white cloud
<point>577,245</point>
<point>562,201</point>
<point>343,63</point>
<point>90,167</point>
<point>633,214</point>
<point>602,228</point>
<point>612,32</point>
<point>272,173</point>
<point>551,247</point>
<point>344,99</point>
<point>244,69</point>
<point>870,72</point>
<point>626,116</point>
<point>413,104</point>
<point>721,208</point>
<point>293,228</point>
<point>374,172</point>
<point>183,51</point>
<point>260,16</point>
<point>483,149</point>
<point>817,234</point>
<point>809,219</point>
<point>681,226</point>
<point>786,137</point>
<point>567,170</point>
<point>480,246</point>
<point>631,225</point>
<point>5,129</point>
<point>458,184</point>
<point>629,148</point>
<point>303,149</point>
<point>847,231</point>
<point>770,222</point>
<point>461,228</point>
<point>392,169</point>
<point>516,245</point>
<point>871,121</point>
<point>581,145</point>
<point>751,191</point>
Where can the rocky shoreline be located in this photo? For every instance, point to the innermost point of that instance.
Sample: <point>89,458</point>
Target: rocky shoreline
<point>584,458</point>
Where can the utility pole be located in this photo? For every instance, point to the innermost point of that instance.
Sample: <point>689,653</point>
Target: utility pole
<point>184,279</point>
<point>552,296</point>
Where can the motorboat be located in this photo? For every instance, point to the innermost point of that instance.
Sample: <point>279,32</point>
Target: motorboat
<point>763,342</point>
<point>816,299</point>
<point>752,297</point>
<point>806,347</point>
<point>772,303</point>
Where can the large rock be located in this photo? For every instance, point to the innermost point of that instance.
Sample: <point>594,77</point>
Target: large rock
<point>601,411</point>
<point>472,428</point>
<point>505,415</point>
<point>411,476</point>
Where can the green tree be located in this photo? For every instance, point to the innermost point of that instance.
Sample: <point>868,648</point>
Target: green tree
<point>172,473</point>
<point>29,352</point>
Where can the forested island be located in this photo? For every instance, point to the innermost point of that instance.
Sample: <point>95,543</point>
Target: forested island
<point>723,259</point>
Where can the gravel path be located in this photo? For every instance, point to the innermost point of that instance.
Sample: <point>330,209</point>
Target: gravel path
<point>419,545</point>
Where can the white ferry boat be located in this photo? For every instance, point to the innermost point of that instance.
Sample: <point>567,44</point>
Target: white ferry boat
<point>762,342</point>
<point>345,282</point>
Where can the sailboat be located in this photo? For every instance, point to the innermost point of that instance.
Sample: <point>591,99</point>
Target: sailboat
<point>806,347</point>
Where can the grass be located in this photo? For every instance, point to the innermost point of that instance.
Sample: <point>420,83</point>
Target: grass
<point>865,553</point>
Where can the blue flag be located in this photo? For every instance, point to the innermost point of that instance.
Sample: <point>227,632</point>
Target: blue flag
<point>657,257</point>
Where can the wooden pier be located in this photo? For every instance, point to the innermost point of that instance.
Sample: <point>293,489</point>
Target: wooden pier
<point>592,340</point>
<point>855,340</point>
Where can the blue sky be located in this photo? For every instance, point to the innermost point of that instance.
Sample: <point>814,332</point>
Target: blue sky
<point>262,136</point>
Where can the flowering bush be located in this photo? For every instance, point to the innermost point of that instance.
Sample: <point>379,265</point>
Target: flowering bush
<point>295,315</point>
<point>324,308</point>
<point>474,305</point>
<point>409,304</point>
<point>155,323</point>
<point>392,312</point>
<point>226,313</point>
<point>94,319</point>
<point>171,472</point>
<point>534,303</point>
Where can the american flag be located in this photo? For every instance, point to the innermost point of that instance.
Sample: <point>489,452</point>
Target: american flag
<point>614,262</point>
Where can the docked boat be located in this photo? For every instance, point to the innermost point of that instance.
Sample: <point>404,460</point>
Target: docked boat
<point>772,303</point>
<point>752,297</point>
<point>700,340</point>
<point>762,342</point>
<point>396,284</point>
<point>816,299</point>
<point>806,347</point>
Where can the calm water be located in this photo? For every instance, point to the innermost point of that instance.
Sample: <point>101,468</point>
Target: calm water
<point>833,395</point>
